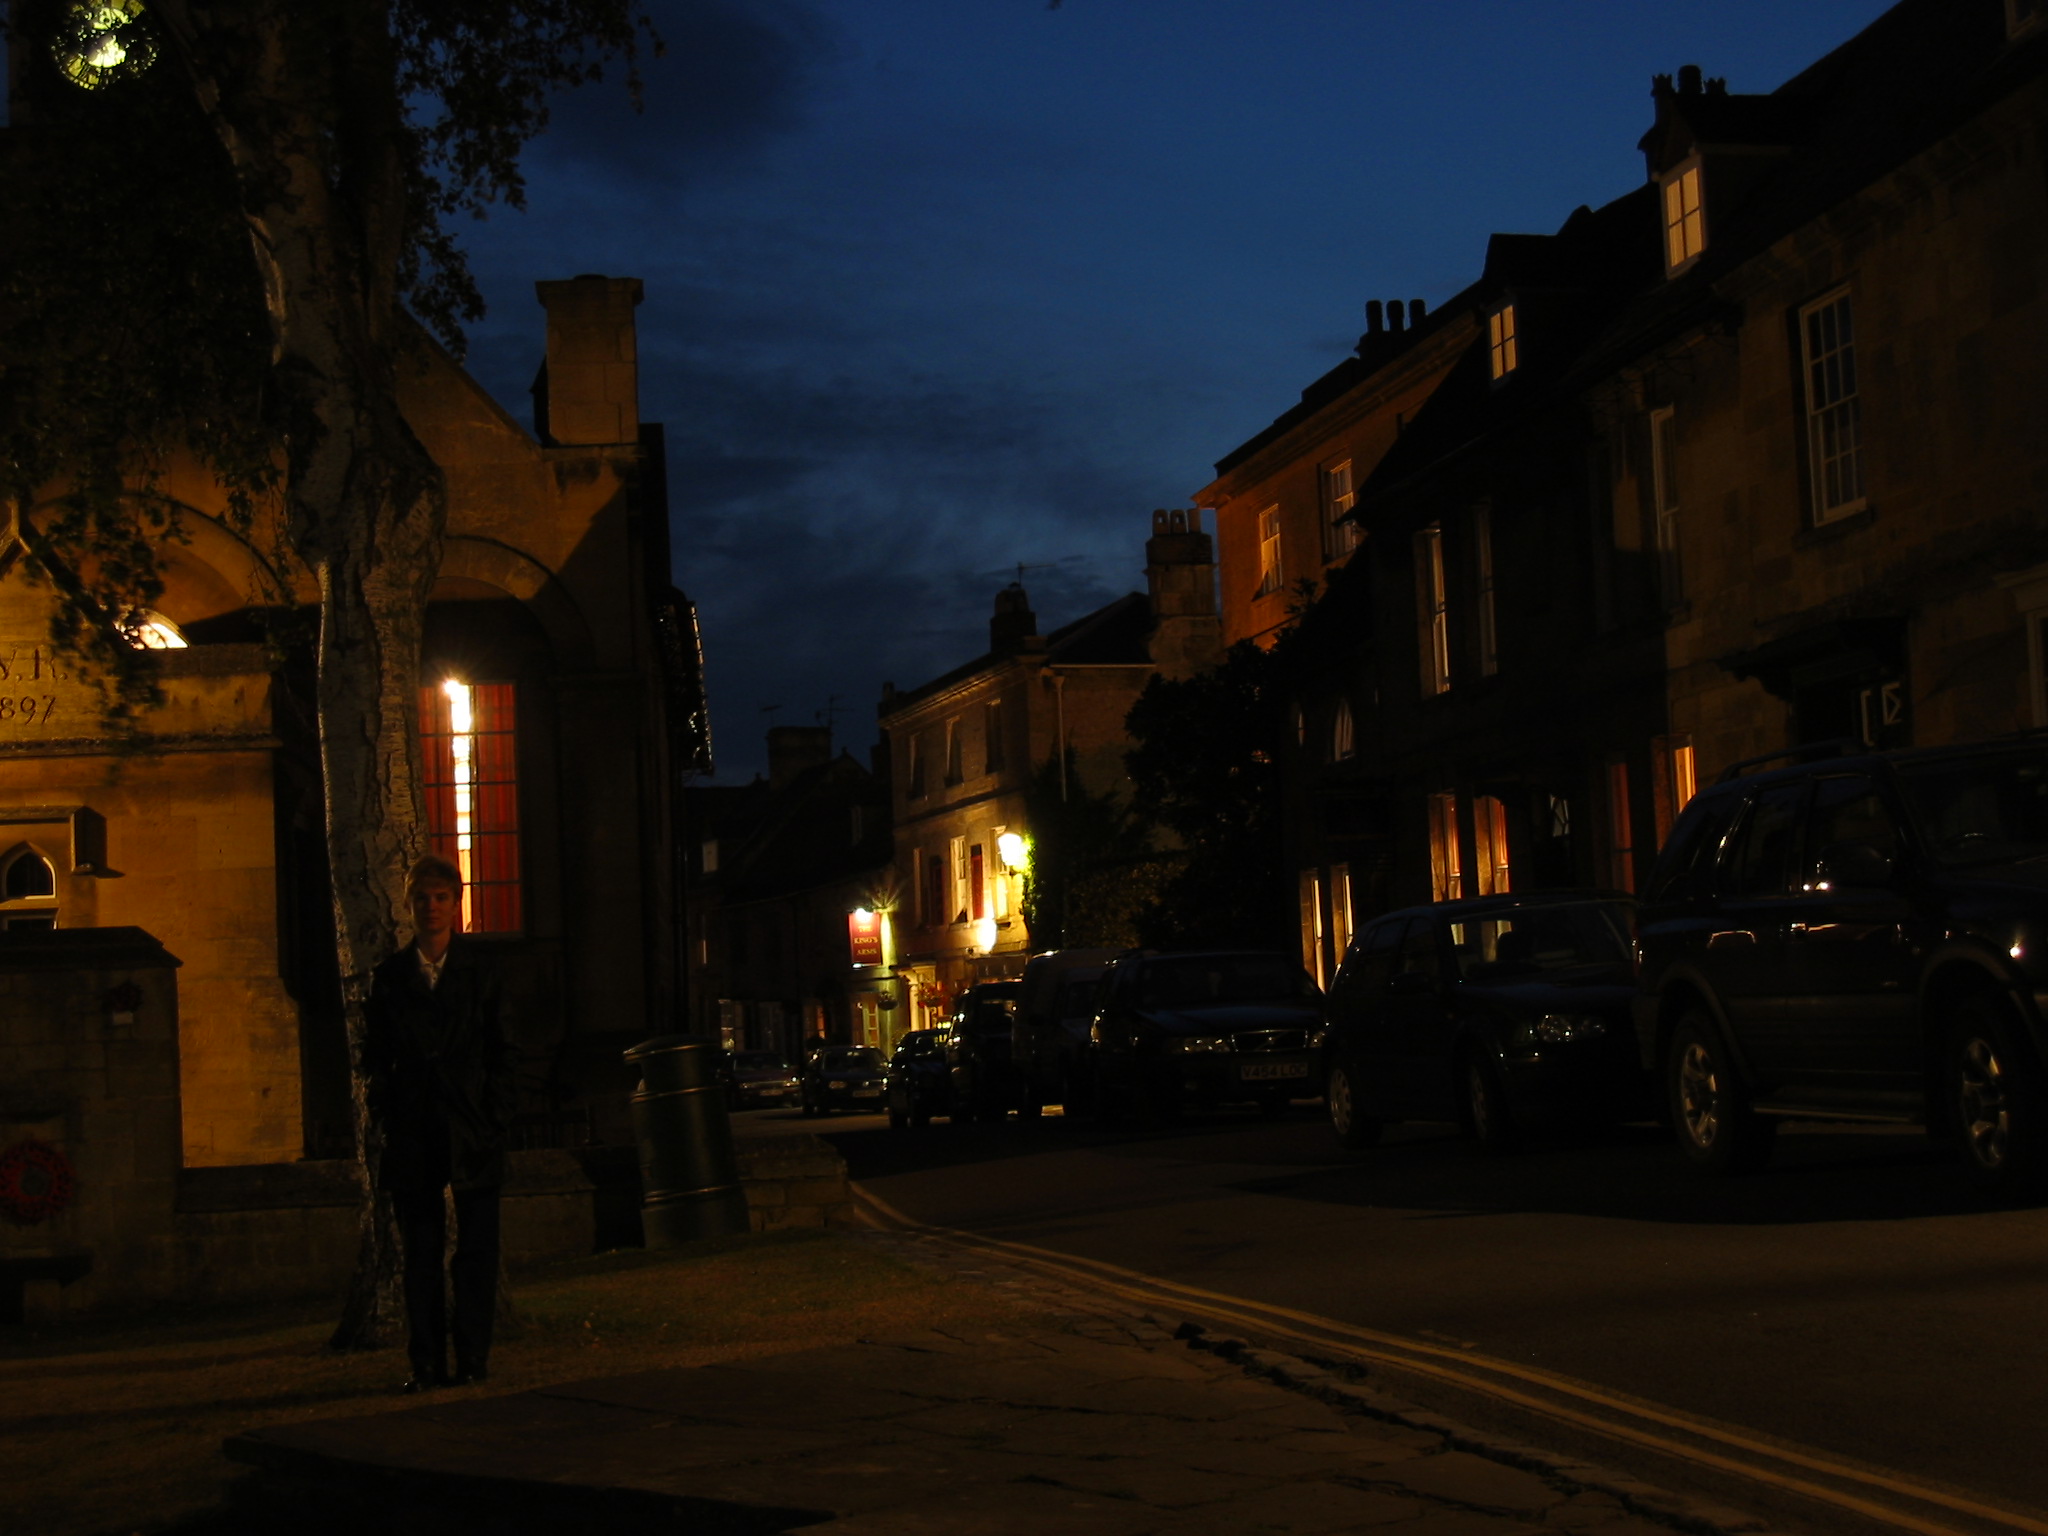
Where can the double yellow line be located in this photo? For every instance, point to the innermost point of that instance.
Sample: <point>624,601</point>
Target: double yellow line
<point>1665,1431</point>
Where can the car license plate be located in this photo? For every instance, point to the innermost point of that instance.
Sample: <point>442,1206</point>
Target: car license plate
<point>1267,1071</point>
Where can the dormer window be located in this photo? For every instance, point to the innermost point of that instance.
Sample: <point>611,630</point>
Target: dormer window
<point>1685,217</point>
<point>1501,350</point>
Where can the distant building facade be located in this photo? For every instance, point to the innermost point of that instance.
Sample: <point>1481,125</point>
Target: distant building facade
<point>778,867</point>
<point>963,750</point>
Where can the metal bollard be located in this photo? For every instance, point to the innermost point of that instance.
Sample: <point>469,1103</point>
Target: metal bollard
<point>689,1175</point>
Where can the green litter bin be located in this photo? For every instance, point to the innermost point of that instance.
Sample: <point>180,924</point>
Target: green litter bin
<point>689,1175</point>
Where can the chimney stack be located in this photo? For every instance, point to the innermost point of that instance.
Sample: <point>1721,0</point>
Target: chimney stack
<point>1013,624</point>
<point>795,749</point>
<point>1180,577</point>
<point>587,394</point>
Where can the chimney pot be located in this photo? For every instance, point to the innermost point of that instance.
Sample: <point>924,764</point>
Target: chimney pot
<point>1375,317</point>
<point>1394,315</point>
<point>1688,80</point>
<point>1415,313</point>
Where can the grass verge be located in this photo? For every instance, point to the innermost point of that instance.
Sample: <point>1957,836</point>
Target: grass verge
<point>110,1428</point>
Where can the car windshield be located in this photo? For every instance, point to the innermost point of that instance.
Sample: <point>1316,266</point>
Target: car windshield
<point>1199,981</point>
<point>921,1042</point>
<point>759,1061</point>
<point>853,1058</point>
<point>1564,937</point>
<point>1982,810</point>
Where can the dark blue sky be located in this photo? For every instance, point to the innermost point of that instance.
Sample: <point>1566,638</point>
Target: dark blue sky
<point>936,287</point>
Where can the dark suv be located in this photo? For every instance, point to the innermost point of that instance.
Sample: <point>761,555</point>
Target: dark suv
<point>1857,937</point>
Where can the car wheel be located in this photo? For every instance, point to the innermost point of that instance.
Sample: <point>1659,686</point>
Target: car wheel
<point>1353,1130</point>
<point>1994,1099</point>
<point>1489,1117</point>
<point>1710,1113</point>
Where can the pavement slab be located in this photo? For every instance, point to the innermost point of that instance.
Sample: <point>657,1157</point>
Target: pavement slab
<point>1107,1430</point>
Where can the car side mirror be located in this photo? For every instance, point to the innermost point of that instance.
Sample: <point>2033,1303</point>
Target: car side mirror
<point>1851,866</point>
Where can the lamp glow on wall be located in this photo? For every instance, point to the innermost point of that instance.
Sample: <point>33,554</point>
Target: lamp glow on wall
<point>985,934</point>
<point>462,742</point>
<point>1013,850</point>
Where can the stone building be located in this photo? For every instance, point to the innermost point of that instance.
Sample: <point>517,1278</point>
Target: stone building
<point>777,868</point>
<point>557,700</point>
<point>1821,418</point>
<point>964,747</point>
<point>1744,459</point>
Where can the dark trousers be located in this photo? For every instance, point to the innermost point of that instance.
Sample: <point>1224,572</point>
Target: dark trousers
<point>472,1274</point>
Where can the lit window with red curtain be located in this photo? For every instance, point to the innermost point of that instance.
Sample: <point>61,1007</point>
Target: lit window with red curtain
<point>467,736</point>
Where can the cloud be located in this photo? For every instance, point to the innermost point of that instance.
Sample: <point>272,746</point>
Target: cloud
<point>733,75</point>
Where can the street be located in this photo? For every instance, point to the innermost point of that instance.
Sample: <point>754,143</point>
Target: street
<point>1856,1299</point>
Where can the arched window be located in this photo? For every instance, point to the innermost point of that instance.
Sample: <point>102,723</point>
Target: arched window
<point>28,890</point>
<point>1343,734</point>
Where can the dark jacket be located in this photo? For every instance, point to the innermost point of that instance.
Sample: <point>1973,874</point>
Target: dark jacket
<point>440,1070</point>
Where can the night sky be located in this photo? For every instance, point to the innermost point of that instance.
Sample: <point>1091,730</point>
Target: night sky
<point>939,287</point>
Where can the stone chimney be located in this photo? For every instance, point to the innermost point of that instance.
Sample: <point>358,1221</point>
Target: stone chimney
<point>1013,625</point>
<point>1180,578</point>
<point>588,390</point>
<point>794,749</point>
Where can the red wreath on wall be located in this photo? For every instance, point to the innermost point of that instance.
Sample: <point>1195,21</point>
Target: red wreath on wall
<point>36,1182</point>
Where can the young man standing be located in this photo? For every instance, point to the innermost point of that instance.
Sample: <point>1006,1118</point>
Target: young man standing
<point>440,1074</point>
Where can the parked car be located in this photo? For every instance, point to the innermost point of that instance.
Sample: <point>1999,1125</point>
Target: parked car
<point>919,1083</point>
<point>843,1077</point>
<point>1205,1028</point>
<point>978,1051</point>
<point>1501,1013</point>
<point>1857,936</point>
<point>1049,1035</point>
<point>760,1078</point>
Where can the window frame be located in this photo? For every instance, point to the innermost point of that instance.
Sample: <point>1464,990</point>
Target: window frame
<point>1664,508</point>
<point>1685,230</point>
<point>34,909</point>
<point>1818,419</point>
<point>1339,538</point>
<point>1343,732</point>
<point>494,825</point>
<point>1432,611</point>
<point>1446,864</point>
<point>1503,342</point>
<point>1270,574</point>
<point>1483,591</point>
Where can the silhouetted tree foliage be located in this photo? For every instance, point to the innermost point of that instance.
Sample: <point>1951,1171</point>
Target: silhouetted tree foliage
<point>1091,869</point>
<point>220,250</point>
<point>1205,774</point>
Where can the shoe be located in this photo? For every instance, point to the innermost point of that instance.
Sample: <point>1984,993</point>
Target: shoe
<point>475,1376</point>
<point>413,1385</point>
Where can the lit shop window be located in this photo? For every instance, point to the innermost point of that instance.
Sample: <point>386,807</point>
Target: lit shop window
<point>466,731</point>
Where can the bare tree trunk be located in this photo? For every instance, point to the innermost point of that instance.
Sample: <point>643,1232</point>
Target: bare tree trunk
<point>304,101</point>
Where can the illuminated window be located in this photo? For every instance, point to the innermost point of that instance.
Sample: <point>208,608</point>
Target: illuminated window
<point>1664,499</point>
<point>1677,780</point>
<point>1432,612</point>
<point>958,860</point>
<point>1834,414</point>
<point>1343,733</point>
<point>28,890</point>
<point>1339,497</point>
<point>147,630</point>
<point>1502,354</point>
<point>977,884</point>
<point>1340,910</point>
<point>1621,851</point>
<point>467,737</point>
<point>1482,559</point>
<point>1446,877</point>
<point>1312,926</point>
<point>1006,844</point>
<point>1269,551</point>
<point>1490,845</point>
<point>1685,217</point>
